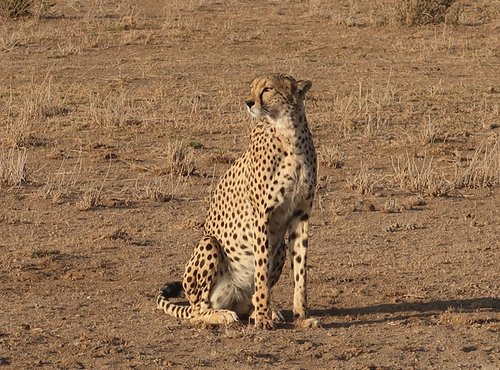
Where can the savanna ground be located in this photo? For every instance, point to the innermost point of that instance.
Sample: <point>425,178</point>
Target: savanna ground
<point>118,117</point>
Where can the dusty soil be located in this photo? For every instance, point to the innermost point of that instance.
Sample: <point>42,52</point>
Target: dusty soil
<point>128,114</point>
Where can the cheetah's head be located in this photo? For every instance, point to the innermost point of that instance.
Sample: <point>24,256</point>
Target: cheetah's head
<point>276,96</point>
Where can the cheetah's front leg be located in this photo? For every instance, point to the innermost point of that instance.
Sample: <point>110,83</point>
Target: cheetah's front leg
<point>298,235</point>
<point>261,296</point>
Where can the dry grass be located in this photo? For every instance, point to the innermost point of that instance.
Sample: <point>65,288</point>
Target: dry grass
<point>130,16</point>
<point>12,167</point>
<point>483,169</point>
<point>332,156</point>
<point>177,16</point>
<point>78,43</point>
<point>368,110</point>
<point>24,115</point>
<point>429,132</point>
<point>62,185</point>
<point>421,175</point>
<point>364,180</point>
<point>392,206</point>
<point>179,159</point>
<point>112,110</point>
<point>90,199</point>
<point>419,12</point>
<point>454,317</point>
<point>9,39</point>
<point>159,188</point>
<point>417,175</point>
<point>92,194</point>
<point>23,8</point>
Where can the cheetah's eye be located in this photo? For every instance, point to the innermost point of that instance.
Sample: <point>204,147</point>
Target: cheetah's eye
<point>264,91</point>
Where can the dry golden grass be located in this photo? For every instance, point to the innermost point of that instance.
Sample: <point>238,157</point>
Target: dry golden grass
<point>112,110</point>
<point>392,206</point>
<point>89,199</point>
<point>483,169</point>
<point>12,167</point>
<point>62,185</point>
<point>10,39</point>
<point>92,194</point>
<point>454,317</point>
<point>367,110</point>
<point>418,12</point>
<point>159,188</point>
<point>23,8</point>
<point>179,159</point>
<point>332,156</point>
<point>25,114</point>
<point>364,180</point>
<point>429,132</point>
<point>418,175</point>
<point>421,175</point>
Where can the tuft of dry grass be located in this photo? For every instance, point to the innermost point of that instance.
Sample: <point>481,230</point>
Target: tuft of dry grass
<point>364,180</point>
<point>158,188</point>
<point>68,184</point>
<point>429,132</point>
<point>90,199</point>
<point>9,39</point>
<point>454,317</point>
<point>332,156</point>
<point>372,106</point>
<point>92,195</point>
<point>112,110</point>
<point>179,159</point>
<point>392,206</point>
<point>12,167</point>
<point>61,185</point>
<point>417,175</point>
<point>22,127</point>
<point>419,12</point>
<point>53,255</point>
<point>422,176</point>
<point>130,15</point>
<point>77,43</point>
<point>483,169</point>
<point>178,16</point>
<point>369,110</point>
<point>24,8</point>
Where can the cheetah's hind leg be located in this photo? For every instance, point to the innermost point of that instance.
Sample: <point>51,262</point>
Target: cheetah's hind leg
<point>202,271</point>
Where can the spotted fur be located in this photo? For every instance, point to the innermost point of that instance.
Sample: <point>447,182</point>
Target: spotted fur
<point>266,194</point>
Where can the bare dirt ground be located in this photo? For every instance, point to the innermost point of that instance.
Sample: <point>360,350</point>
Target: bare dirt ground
<point>117,118</point>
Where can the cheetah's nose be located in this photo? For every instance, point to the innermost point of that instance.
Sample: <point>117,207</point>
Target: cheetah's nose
<point>249,103</point>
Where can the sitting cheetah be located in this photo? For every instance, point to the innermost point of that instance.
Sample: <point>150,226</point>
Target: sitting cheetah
<point>266,193</point>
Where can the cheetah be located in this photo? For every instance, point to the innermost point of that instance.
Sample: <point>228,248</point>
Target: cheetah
<point>264,196</point>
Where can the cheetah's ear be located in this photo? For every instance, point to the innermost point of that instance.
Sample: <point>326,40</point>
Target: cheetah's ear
<point>303,87</point>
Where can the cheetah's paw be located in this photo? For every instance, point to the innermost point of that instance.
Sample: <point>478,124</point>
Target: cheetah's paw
<point>310,322</point>
<point>266,324</point>
<point>217,317</point>
<point>276,316</point>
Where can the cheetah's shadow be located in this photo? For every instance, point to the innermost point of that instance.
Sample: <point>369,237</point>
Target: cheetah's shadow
<point>394,312</point>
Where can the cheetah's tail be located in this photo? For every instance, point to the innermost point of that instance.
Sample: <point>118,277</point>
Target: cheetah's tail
<point>172,290</point>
